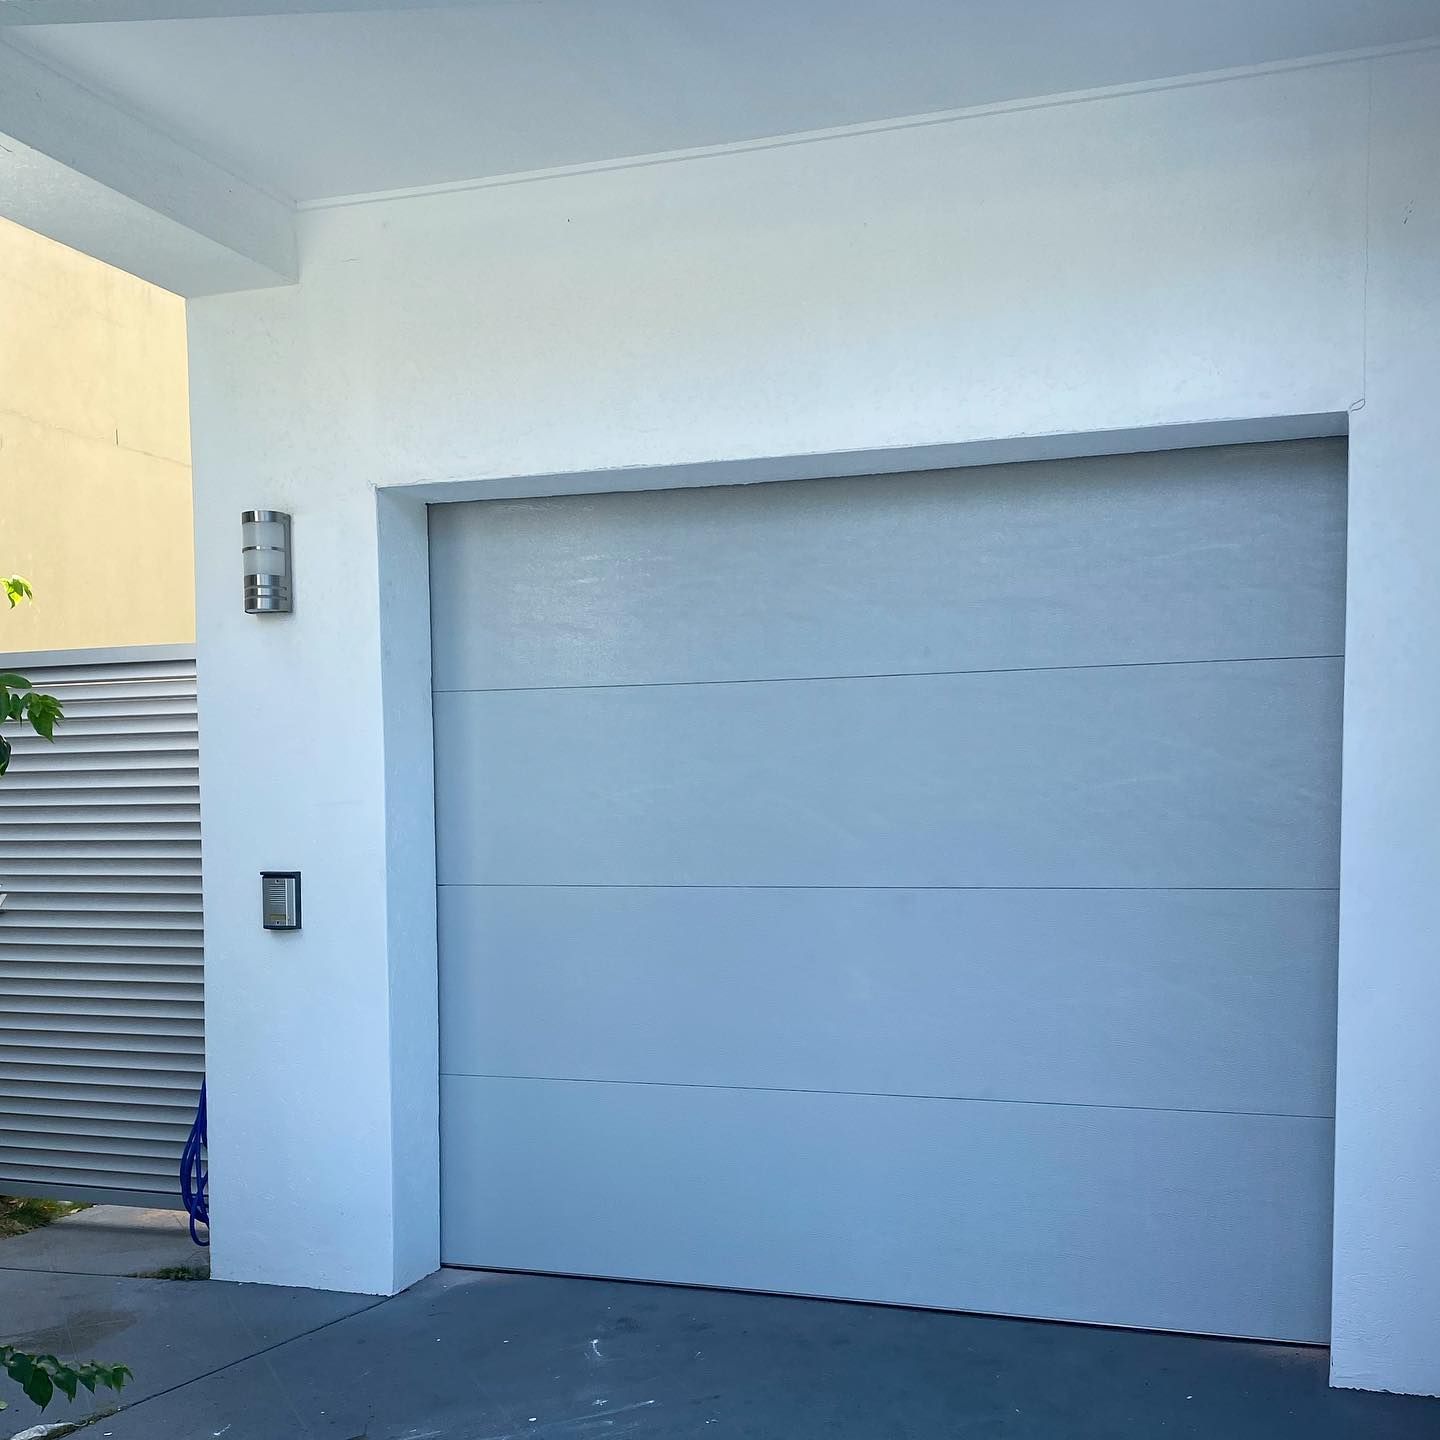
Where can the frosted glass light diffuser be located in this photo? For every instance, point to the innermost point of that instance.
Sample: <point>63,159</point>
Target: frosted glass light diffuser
<point>265,551</point>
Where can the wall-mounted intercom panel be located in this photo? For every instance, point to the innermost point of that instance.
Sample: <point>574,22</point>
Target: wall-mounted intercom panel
<point>280,899</point>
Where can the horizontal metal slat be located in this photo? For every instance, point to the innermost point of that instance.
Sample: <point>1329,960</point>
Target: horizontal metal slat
<point>44,823</point>
<point>119,670</point>
<point>160,687</point>
<point>36,927</point>
<point>101,998</point>
<point>93,727</point>
<point>36,937</point>
<point>81,690</point>
<point>114,1050</point>
<point>113,758</point>
<point>91,959</point>
<point>118,1172</point>
<point>121,1024</point>
<point>106,1098</point>
<point>120,1067</point>
<point>96,926</point>
<point>47,906</point>
<point>104,985</point>
<point>176,672</point>
<point>118,1050</point>
<point>83,900</point>
<point>144,1123</point>
<point>164,785</point>
<point>161,1148</point>
<point>97,1177</point>
<point>178,907</point>
<point>51,893</point>
<point>132,1030</point>
<point>121,871</point>
<point>130,787</point>
<point>180,819</point>
<point>157,804</point>
<point>75,685</point>
<point>120,848</point>
<point>80,705</point>
<point>63,993</point>
<point>120,1017</point>
<point>174,968</point>
<point>99,687</point>
<point>41,1116</point>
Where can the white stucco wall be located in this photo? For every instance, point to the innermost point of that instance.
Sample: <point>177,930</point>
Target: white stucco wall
<point>1168,257</point>
<point>1386,1326</point>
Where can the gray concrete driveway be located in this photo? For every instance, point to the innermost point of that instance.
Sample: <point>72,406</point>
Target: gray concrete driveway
<point>474,1356</point>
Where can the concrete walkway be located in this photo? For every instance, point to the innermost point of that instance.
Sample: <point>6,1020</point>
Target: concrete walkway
<point>107,1240</point>
<point>473,1356</point>
<point>68,1289</point>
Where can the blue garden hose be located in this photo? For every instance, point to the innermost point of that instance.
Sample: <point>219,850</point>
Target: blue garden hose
<point>195,1174</point>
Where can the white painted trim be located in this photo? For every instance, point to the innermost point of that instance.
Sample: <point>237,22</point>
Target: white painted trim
<point>1016,449</point>
<point>403,563</point>
<point>411,936</point>
<point>408,773</point>
<point>82,12</point>
<point>868,127</point>
<point>106,655</point>
<point>78,168</point>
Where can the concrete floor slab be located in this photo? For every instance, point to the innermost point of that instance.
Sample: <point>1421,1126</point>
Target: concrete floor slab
<point>168,1331</point>
<point>107,1240</point>
<point>468,1356</point>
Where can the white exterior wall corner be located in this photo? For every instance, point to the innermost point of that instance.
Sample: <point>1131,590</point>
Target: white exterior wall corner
<point>1386,1328</point>
<point>1170,257</point>
<point>403,553</point>
<point>300,1073</point>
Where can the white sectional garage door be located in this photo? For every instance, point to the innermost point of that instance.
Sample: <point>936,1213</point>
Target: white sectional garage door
<point>917,888</point>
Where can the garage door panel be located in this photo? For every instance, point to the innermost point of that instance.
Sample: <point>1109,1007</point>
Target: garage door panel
<point>1221,774</point>
<point>1134,1217</point>
<point>1193,1000</point>
<point>1233,552</point>
<point>912,888</point>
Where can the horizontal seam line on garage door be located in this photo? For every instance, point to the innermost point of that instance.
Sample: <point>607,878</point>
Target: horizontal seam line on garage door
<point>877,675</point>
<point>889,1095</point>
<point>1087,889</point>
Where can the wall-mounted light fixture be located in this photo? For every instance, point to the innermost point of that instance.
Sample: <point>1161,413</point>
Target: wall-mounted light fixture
<point>265,548</point>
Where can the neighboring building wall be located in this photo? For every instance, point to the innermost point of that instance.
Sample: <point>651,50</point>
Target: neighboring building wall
<point>94,452</point>
<point>1180,254</point>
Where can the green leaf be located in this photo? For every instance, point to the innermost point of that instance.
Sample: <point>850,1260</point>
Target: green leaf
<point>4,754</point>
<point>43,712</point>
<point>17,588</point>
<point>39,1387</point>
<point>11,680</point>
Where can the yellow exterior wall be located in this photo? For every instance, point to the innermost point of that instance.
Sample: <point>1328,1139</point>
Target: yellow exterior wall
<point>94,452</point>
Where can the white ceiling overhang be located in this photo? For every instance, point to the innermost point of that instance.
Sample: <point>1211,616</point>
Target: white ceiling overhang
<point>177,137</point>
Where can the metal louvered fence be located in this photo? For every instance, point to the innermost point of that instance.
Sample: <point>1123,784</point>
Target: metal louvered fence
<point>101,942</point>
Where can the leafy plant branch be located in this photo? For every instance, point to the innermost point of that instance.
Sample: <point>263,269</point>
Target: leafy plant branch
<point>19,701</point>
<point>40,1376</point>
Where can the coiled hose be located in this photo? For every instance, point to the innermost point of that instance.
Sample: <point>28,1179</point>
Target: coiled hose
<point>195,1175</point>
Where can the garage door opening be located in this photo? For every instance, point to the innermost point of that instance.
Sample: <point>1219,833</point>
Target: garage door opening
<point>916,888</point>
